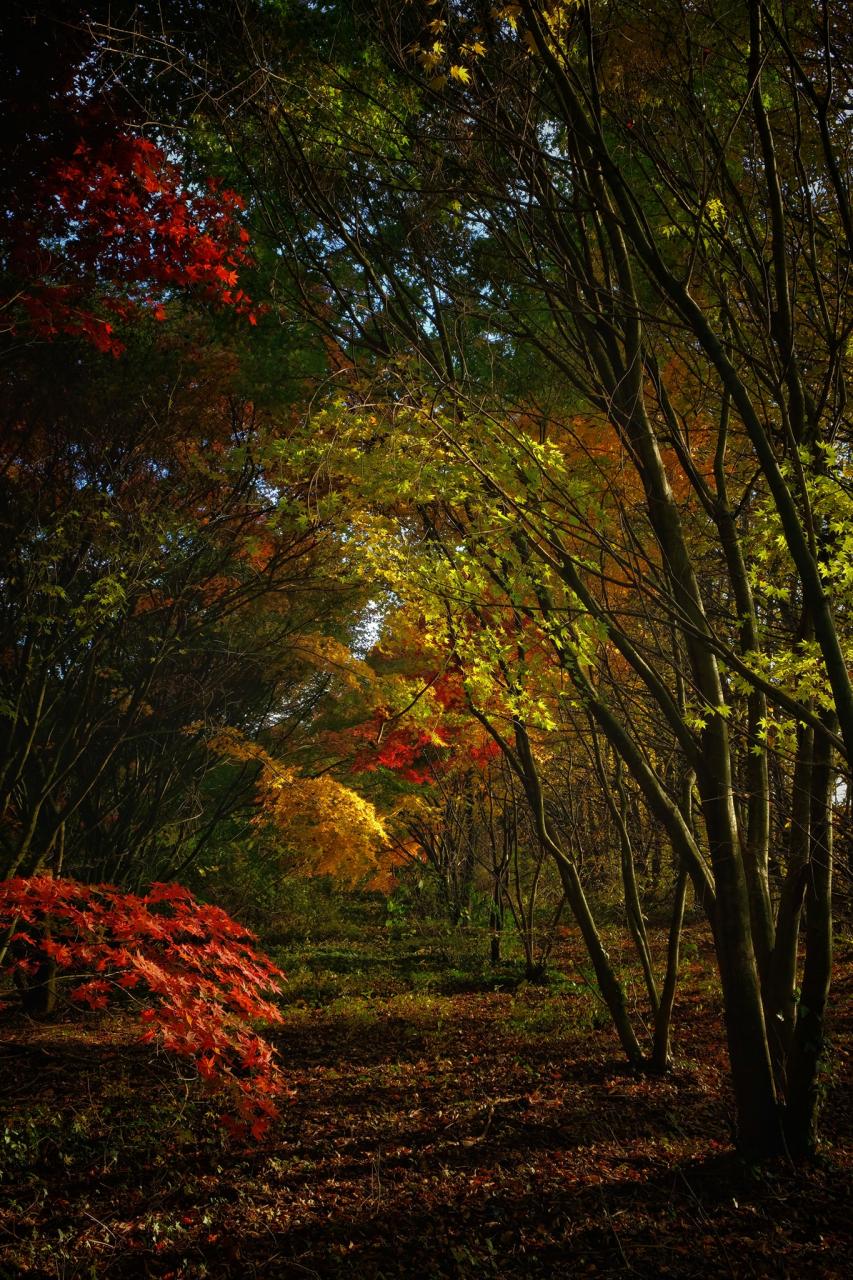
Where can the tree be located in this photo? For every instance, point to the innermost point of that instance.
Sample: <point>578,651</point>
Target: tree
<point>322,827</point>
<point>156,588</point>
<point>191,971</point>
<point>160,563</point>
<point>99,226</point>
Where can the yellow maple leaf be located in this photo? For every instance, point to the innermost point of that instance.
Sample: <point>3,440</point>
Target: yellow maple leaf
<point>430,58</point>
<point>507,13</point>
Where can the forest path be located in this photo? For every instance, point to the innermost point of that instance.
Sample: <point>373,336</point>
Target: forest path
<point>429,1135</point>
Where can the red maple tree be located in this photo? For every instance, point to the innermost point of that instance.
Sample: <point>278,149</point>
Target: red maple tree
<point>112,230</point>
<point>194,974</point>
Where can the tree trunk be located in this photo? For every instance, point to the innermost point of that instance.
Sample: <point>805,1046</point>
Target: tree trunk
<point>758,1121</point>
<point>663,1017</point>
<point>781,998</point>
<point>608,982</point>
<point>633,906</point>
<point>808,1041</point>
<point>495,924</point>
<point>605,975</point>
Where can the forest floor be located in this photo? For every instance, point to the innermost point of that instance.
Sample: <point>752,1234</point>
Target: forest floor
<point>438,1128</point>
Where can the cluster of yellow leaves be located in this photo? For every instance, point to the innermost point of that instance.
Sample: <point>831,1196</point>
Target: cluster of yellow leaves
<point>326,828</point>
<point>508,13</point>
<point>442,63</point>
<point>712,216</point>
<point>438,63</point>
<point>331,830</point>
<point>557,21</point>
<point>233,745</point>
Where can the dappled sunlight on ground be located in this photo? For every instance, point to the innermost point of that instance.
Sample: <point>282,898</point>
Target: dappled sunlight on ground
<point>434,1135</point>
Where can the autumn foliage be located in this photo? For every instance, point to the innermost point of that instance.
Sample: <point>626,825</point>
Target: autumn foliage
<point>326,828</point>
<point>191,971</point>
<point>420,753</point>
<point>113,230</point>
<point>405,749</point>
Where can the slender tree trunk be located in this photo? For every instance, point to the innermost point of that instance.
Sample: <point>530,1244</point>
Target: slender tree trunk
<point>633,906</point>
<point>606,977</point>
<point>809,1032</point>
<point>758,1119</point>
<point>6,938</point>
<point>663,1017</point>
<point>781,999</point>
<point>756,843</point>
<point>495,923</point>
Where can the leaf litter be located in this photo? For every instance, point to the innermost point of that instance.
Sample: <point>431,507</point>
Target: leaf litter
<point>481,1133</point>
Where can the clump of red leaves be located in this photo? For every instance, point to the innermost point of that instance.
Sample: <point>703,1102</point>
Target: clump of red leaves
<point>114,228</point>
<point>195,973</point>
<point>420,755</point>
<point>405,749</point>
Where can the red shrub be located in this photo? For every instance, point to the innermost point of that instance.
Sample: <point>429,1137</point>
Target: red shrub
<point>194,973</point>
